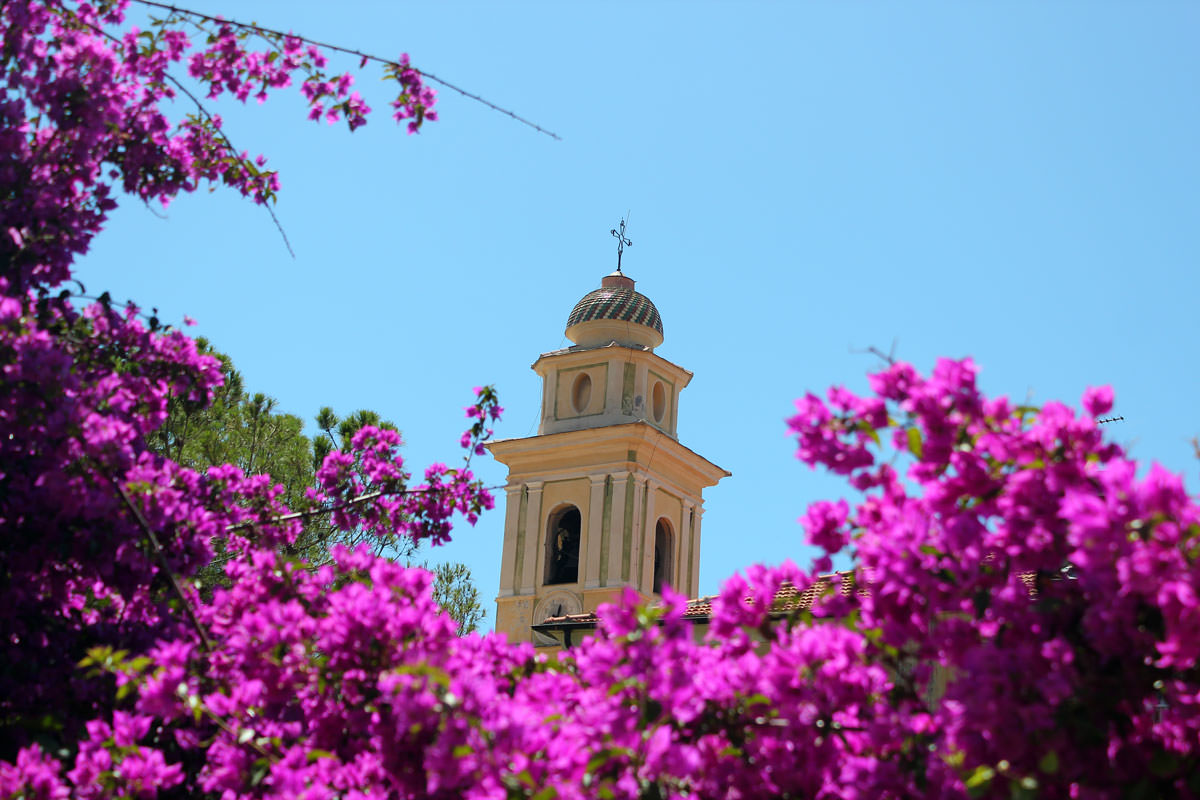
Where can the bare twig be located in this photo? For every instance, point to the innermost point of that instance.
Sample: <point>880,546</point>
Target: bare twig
<point>349,51</point>
<point>162,562</point>
<point>234,151</point>
<point>888,358</point>
<point>312,512</point>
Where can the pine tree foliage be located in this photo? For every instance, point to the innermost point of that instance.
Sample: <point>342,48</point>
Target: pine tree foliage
<point>249,431</point>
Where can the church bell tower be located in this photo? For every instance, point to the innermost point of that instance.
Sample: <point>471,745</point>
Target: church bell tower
<point>604,496</point>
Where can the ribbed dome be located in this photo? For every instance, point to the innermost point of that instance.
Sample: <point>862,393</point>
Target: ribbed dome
<point>616,301</point>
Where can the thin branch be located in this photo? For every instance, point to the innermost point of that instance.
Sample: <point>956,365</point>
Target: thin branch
<point>320,510</point>
<point>233,150</point>
<point>112,307</point>
<point>255,746</point>
<point>162,561</point>
<point>888,358</point>
<point>351,52</point>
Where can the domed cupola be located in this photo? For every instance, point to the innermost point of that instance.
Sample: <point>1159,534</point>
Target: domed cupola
<point>615,313</point>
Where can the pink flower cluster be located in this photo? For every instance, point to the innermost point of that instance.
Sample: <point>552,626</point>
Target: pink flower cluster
<point>415,101</point>
<point>228,65</point>
<point>1039,595</point>
<point>83,107</point>
<point>367,488</point>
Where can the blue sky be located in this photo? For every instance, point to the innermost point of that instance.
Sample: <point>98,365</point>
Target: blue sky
<point>1017,182</point>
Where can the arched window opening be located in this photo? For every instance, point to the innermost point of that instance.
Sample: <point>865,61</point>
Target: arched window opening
<point>562,547</point>
<point>664,555</point>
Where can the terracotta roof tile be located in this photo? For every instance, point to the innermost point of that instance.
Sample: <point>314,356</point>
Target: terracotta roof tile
<point>788,598</point>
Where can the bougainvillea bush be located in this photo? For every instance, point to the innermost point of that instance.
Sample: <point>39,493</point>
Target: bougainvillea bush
<point>1023,622</point>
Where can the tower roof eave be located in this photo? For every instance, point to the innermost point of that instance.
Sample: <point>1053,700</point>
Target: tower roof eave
<point>684,376</point>
<point>536,453</point>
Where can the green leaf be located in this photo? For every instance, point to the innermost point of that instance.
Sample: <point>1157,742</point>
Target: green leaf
<point>1023,789</point>
<point>979,780</point>
<point>598,760</point>
<point>622,685</point>
<point>95,655</point>
<point>914,442</point>
<point>1163,764</point>
<point>1049,763</point>
<point>314,755</point>
<point>757,700</point>
<point>193,703</point>
<point>260,770</point>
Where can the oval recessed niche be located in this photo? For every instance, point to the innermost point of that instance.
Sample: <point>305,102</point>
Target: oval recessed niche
<point>658,401</point>
<point>581,392</point>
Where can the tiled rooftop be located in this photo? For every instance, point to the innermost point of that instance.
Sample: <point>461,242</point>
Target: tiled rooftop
<point>618,303</point>
<point>788,598</point>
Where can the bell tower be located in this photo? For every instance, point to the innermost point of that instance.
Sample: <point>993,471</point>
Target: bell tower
<point>604,496</point>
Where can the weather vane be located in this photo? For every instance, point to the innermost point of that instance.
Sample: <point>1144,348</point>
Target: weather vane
<point>622,242</point>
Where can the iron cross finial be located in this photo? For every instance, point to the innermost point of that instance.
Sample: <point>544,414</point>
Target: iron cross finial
<point>623,241</point>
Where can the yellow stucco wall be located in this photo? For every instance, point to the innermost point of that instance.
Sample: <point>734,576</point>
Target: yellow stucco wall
<point>669,506</point>
<point>514,615</point>
<point>558,493</point>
